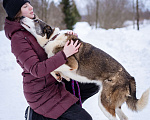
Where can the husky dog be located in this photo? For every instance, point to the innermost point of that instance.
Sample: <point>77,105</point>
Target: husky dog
<point>91,65</point>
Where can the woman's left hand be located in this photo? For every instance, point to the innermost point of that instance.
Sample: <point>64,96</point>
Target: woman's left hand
<point>72,33</point>
<point>71,48</point>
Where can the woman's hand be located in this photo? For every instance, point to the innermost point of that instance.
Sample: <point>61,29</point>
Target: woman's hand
<point>72,48</point>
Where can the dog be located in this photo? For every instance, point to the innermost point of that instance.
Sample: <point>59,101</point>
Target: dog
<point>91,65</point>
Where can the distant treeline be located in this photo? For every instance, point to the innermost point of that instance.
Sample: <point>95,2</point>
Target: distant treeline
<point>100,13</point>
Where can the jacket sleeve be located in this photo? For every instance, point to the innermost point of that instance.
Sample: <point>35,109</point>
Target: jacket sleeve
<point>24,53</point>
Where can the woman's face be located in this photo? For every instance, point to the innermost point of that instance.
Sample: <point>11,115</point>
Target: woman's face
<point>27,10</point>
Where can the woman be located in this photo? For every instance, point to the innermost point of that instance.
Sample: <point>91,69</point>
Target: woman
<point>49,99</point>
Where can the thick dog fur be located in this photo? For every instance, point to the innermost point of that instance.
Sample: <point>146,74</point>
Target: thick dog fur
<point>91,65</point>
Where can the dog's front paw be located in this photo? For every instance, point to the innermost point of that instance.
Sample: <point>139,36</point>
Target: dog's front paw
<point>57,76</point>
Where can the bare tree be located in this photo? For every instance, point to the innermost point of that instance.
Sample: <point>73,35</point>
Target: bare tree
<point>137,13</point>
<point>113,13</point>
<point>55,16</point>
<point>88,17</point>
<point>133,13</point>
<point>91,14</point>
<point>44,8</point>
<point>109,13</point>
<point>97,9</point>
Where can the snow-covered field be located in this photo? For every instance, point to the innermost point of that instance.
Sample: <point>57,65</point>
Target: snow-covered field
<point>130,47</point>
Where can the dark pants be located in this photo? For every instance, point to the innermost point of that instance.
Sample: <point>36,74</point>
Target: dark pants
<point>75,112</point>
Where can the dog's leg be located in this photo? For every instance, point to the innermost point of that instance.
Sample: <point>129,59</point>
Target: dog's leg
<point>72,63</point>
<point>120,114</point>
<point>109,114</point>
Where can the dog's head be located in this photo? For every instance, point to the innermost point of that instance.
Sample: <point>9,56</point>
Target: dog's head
<point>37,27</point>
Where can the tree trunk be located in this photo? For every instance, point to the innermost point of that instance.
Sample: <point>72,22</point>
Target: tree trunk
<point>97,6</point>
<point>133,15</point>
<point>42,10</point>
<point>137,14</point>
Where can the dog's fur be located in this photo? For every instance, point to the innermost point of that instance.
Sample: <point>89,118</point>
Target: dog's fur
<point>91,65</point>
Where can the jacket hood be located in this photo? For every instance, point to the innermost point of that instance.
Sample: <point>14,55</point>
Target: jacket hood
<point>11,27</point>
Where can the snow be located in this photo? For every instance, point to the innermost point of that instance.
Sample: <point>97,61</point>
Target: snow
<point>127,45</point>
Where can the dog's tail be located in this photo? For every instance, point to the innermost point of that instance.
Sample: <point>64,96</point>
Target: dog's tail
<point>134,103</point>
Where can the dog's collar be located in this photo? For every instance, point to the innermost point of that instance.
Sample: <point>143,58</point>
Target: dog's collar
<point>53,38</point>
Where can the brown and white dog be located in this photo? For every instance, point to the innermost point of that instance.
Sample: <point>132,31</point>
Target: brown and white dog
<point>91,65</point>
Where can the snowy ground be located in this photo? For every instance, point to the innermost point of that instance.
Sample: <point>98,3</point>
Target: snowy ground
<point>130,47</point>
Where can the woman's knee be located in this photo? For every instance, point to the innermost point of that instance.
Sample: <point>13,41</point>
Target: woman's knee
<point>86,116</point>
<point>75,112</point>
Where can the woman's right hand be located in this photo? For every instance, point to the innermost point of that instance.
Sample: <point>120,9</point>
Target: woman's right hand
<point>72,48</point>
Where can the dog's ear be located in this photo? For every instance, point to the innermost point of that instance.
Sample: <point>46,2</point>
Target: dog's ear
<point>48,30</point>
<point>49,34</point>
<point>44,30</point>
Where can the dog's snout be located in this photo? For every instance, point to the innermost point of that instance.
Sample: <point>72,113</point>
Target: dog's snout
<point>22,17</point>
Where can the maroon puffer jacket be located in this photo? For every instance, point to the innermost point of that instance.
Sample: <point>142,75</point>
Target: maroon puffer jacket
<point>43,93</point>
